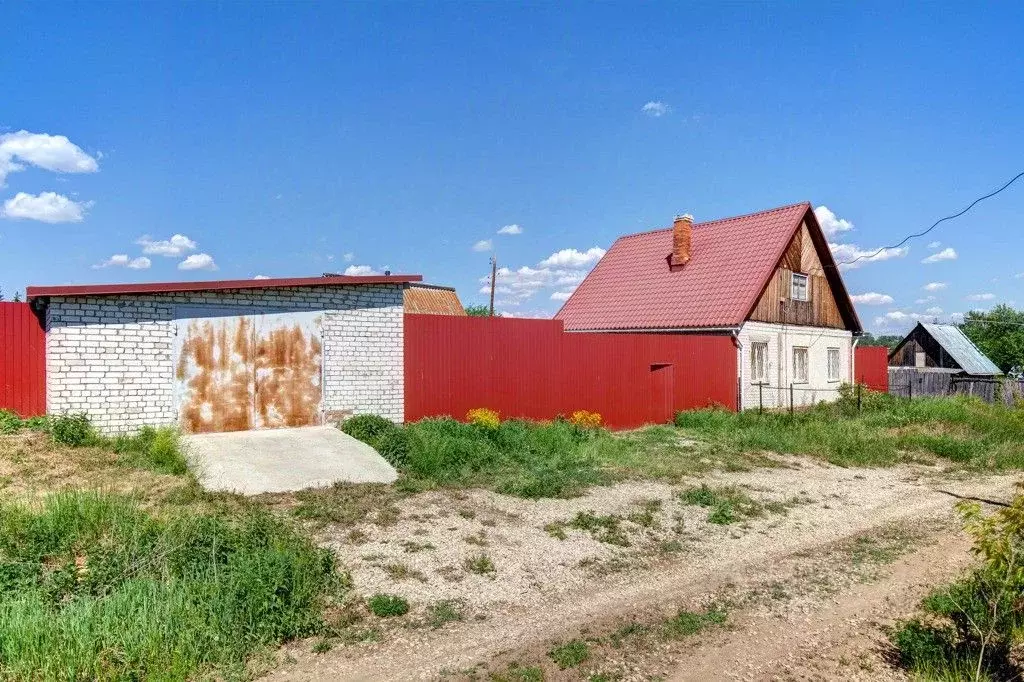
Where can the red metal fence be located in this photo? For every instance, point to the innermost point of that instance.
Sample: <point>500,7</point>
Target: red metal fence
<point>532,369</point>
<point>871,364</point>
<point>22,360</point>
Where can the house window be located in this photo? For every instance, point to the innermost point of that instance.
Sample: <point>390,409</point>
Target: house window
<point>799,365</point>
<point>833,364</point>
<point>798,290</point>
<point>759,362</point>
<point>919,359</point>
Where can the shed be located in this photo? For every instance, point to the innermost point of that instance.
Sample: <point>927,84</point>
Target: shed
<point>942,346</point>
<point>225,355</point>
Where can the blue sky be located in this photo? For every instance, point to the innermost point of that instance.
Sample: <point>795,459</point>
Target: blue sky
<point>292,139</point>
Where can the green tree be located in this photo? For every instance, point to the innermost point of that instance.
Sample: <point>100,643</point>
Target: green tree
<point>999,334</point>
<point>17,297</point>
<point>478,311</point>
<point>888,340</point>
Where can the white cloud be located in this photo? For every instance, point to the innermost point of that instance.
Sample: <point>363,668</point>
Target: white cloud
<point>261,277</point>
<point>981,297</point>
<point>349,257</point>
<point>934,245</point>
<point>655,109</point>
<point>934,286</point>
<point>121,260</point>
<point>483,245</point>
<point>926,299</point>
<point>851,256</point>
<point>831,224</point>
<point>511,229</point>
<point>872,298</point>
<point>198,261</point>
<point>360,270</point>
<point>956,317</point>
<point>178,245</point>
<point>50,152</point>
<point>561,295</point>
<point>946,254</point>
<point>48,207</point>
<point>571,258</point>
<point>934,310</point>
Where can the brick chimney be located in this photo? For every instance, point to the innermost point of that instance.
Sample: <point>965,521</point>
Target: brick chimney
<point>682,241</point>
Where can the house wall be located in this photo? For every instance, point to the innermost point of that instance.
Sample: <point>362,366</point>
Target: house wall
<point>781,340</point>
<point>112,356</point>
<point>820,311</point>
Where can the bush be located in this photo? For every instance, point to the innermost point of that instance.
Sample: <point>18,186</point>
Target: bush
<point>154,449</point>
<point>73,429</point>
<point>367,428</point>
<point>388,605</point>
<point>393,446</point>
<point>483,417</point>
<point>585,419</point>
<point>971,624</point>
<point>93,587</point>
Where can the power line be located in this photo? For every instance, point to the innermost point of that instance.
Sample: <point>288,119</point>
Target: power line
<point>936,223</point>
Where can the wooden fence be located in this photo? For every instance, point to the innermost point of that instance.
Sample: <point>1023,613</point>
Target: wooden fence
<point>915,382</point>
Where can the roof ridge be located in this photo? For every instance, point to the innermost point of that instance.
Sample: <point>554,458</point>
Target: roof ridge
<point>720,220</point>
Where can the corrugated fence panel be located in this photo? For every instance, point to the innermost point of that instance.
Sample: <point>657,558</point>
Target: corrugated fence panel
<point>532,369</point>
<point>22,360</point>
<point>872,367</point>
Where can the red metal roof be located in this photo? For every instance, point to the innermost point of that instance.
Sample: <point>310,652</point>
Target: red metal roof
<point>633,288</point>
<point>216,285</point>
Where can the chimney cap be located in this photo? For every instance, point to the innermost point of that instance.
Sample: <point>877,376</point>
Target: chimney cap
<point>688,217</point>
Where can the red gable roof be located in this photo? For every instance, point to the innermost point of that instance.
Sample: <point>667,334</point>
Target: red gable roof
<point>633,288</point>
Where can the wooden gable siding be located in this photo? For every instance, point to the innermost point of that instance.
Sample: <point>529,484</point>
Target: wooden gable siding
<point>820,311</point>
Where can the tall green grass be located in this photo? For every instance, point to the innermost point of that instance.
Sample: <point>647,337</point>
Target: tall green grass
<point>92,587</point>
<point>888,430</point>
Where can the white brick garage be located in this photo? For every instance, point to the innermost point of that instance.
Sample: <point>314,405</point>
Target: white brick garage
<point>113,352</point>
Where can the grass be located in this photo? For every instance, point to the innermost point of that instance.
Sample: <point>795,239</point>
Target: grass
<point>962,431</point>
<point>92,586</point>
<point>572,654</point>
<point>443,612</point>
<point>481,564</point>
<point>687,623</point>
<point>388,605</point>
<point>156,449</point>
<point>727,504</point>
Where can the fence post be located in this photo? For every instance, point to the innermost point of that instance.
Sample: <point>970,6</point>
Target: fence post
<point>858,397</point>
<point>760,398</point>
<point>910,387</point>
<point>791,399</point>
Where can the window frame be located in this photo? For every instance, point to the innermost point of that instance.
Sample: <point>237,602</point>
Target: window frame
<point>763,378</point>
<point>838,366</point>
<point>802,277</point>
<point>806,365</point>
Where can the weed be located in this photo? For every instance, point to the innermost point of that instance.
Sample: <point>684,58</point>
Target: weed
<point>443,612</point>
<point>556,529</point>
<point>571,654</point>
<point>345,504</point>
<point>480,564</point>
<point>480,539</point>
<point>154,449</point>
<point>518,673</point>
<point>399,571</point>
<point>322,645</point>
<point>467,514</point>
<point>177,593</point>
<point>646,516</point>
<point>388,605</point>
<point>484,418</point>
<point>728,504</point>
<point>411,546</point>
<point>73,429</point>
<point>604,528</point>
<point>686,623</point>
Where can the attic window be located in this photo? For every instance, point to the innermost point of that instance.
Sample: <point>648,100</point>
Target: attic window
<point>798,290</point>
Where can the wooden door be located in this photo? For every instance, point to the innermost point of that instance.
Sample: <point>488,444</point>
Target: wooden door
<point>661,393</point>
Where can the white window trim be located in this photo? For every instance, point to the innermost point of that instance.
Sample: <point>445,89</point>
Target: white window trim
<point>806,287</point>
<point>763,379</point>
<point>839,365</point>
<point>807,365</point>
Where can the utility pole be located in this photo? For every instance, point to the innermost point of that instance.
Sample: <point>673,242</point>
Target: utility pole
<point>494,275</point>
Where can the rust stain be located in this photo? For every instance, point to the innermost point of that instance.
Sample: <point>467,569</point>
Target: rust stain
<point>288,387</point>
<point>218,394</point>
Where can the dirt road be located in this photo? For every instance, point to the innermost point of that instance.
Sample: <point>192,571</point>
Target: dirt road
<point>764,642</point>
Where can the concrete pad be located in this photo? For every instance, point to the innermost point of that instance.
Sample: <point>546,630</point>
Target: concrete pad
<point>282,460</point>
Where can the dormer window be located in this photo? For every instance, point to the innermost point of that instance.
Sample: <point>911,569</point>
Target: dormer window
<point>798,291</point>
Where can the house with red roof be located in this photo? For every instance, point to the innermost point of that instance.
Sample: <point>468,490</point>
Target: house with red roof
<point>768,279</point>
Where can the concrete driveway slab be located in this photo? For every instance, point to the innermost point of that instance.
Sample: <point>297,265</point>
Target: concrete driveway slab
<point>282,460</point>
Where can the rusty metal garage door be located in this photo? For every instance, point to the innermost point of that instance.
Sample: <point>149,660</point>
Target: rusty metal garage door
<point>238,372</point>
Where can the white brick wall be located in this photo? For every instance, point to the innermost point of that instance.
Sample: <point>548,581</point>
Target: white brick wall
<point>781,340</point>
<point>111,356</point>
